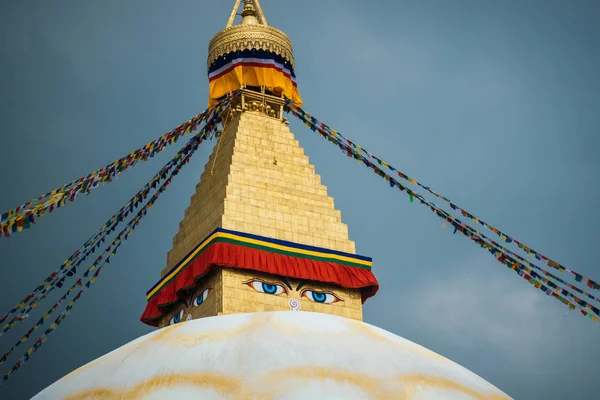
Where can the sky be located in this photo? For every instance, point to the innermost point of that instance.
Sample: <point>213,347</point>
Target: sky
<point>493,104</point>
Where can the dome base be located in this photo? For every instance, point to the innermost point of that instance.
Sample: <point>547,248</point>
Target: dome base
<point>276,355</point>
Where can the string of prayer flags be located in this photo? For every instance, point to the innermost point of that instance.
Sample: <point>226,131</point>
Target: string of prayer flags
<point>523,271</point>
<point>507,254</point>
<point>532,265</point>
<point>22,217</point>
<point>68,268</point>
<point>101,261</point>
<point>319,126</point>
<point>492,247</point>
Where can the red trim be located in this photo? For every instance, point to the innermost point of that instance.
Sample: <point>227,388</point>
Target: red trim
<point>235,256</point>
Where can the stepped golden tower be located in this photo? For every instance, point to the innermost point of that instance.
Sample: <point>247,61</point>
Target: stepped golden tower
<point>284,244</point>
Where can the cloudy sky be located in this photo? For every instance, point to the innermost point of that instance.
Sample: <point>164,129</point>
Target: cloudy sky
<point>494,104</point>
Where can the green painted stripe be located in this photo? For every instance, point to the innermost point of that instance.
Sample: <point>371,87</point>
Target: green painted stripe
<point>294,254</point>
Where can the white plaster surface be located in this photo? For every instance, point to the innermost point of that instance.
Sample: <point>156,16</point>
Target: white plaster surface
<point>273,355</point>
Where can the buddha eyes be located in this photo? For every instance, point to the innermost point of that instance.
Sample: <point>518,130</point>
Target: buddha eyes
<point>176,318</point>
<point>320,297</point>
<point>277,289</point>
<point>201,298</point>
<point>196,301</point>
<point>265,287</point>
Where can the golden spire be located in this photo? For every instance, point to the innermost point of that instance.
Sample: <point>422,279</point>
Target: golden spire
<point>258,197</point>
<point>251,14</point>
<point>254,47</point>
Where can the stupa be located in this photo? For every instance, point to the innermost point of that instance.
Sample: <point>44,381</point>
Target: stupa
<point>262,294</point>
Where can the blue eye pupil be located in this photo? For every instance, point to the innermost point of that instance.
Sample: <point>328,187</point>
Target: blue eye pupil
<point>268,288</point>
<point>199,300</point>
<point>319,297</point>
<point>177,318</point>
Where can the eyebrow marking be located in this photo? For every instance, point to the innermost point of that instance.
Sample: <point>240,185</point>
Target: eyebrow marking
<point>301,284</point>
<point>286,282</point>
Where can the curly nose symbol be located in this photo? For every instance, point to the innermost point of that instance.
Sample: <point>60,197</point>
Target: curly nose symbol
<point>294,305</point>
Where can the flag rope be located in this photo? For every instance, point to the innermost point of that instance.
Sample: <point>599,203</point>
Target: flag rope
<point>22,217</point>
<point>526,272</point>
<point>111,250</point>
<point>308,119</point>
<point>68,268</point>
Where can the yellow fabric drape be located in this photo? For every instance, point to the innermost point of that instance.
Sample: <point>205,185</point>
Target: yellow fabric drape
<point>274,80</point>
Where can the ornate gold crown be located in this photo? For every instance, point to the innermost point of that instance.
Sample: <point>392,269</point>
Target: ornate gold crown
<point>252,33</point>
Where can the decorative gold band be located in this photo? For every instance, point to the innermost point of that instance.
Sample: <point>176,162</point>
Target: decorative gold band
<point>248,37</point>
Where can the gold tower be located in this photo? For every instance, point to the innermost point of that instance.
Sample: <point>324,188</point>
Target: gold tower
<point>258,181</point>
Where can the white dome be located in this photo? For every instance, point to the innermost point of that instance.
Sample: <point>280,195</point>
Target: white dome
<point>275,355</point>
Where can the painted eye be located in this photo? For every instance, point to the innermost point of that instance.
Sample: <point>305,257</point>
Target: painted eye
<point>177,318</point>
<point>265,287</point>
<point>200,299</point>
<point>320,297</point>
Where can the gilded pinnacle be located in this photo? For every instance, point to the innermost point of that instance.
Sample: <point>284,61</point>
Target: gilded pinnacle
<point>249,16</point>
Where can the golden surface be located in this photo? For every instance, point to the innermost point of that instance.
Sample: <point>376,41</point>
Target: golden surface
<point>262,183</point>
<point>212,306</point>
<point>252,33</point>
<point>230,295</point>
<point>241,298</point>
<point>258,180</point>
<point>260,16</point>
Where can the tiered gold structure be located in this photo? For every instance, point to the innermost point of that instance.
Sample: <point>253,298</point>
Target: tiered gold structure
<point>258,180</point>
<point>252,33</point>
